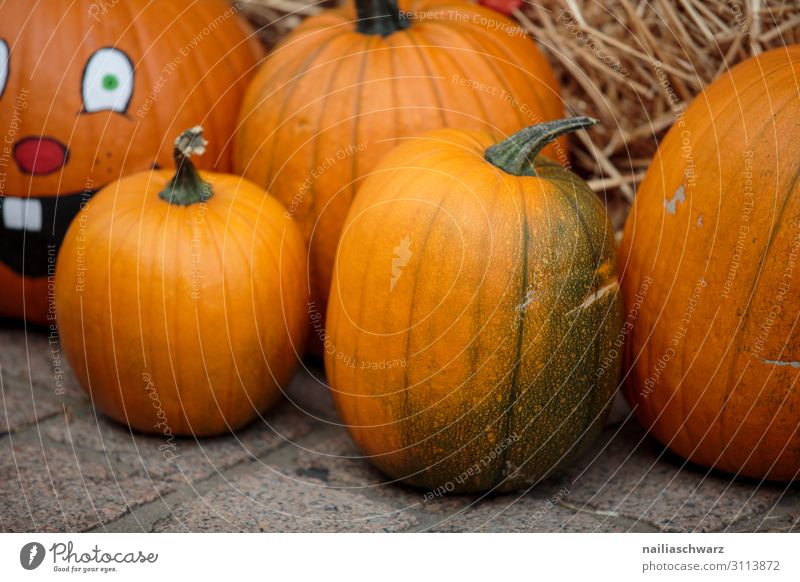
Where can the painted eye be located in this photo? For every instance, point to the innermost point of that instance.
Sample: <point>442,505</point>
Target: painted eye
<point>3,66</point>
<point>107,81</point>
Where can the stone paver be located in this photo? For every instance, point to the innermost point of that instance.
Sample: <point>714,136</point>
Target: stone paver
<point>529,513</point>
<point>267,502</point>
<point>34,358</point>
<point>48,489</point>
<point>632,476</point>
<point>334,459</point>
<point>65,468</point>
<point>22,405</point>
<point>178,459</point>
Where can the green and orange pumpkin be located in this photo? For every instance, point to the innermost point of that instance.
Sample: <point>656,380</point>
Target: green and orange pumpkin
<point>474,312</point>
<point>711,261</point>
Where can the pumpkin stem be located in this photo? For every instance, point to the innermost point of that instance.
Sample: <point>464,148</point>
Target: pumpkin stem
<point>186,186</point>
<point>517,154</point>
<point>381,17</point>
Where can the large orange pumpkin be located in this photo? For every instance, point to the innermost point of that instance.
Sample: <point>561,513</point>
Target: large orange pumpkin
<point>93,91</point>
<point>181,300</point>
<point>711,259</point>
<point>346,85</point>
<point>474,312</point>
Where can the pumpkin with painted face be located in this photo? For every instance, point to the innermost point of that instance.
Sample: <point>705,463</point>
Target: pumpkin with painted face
<point>90,91</point>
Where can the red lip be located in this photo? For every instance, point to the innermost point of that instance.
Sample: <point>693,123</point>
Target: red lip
<point>40,155</point>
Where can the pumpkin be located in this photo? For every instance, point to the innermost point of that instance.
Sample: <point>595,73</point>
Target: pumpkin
<point>473,312</point>
<point>711,259</point>
<point>345,86</point>
<point>93,91</point>
<point>181,299</point>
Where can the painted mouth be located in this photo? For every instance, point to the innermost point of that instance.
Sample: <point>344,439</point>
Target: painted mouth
<point>31,230</point>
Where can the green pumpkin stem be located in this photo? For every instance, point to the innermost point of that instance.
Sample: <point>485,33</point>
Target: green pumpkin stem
<point>516,155</point>
<point>381,17</point>
<point>186,186</point>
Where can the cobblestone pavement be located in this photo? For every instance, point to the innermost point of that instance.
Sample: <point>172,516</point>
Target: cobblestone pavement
<point>64,468</point>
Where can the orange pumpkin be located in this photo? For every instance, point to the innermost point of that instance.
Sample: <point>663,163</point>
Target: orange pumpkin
<point>474,312</point>
<point>711,259</point>
<point>339,92</point>
<point>93,91</point>
<point>181,299</point>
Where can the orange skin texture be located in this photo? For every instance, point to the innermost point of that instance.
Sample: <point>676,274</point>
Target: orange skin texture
<point>43,97</point>
<point>327,88</point>
<point>203,304</point>
<point>720,272</point>
<point>470,306</point>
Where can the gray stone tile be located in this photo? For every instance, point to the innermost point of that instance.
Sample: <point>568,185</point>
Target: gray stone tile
<point>267,502</point>
<point>22,405</point>
<point>310,395</point>
<point>783,516</point>
<point>178,460</point>
<point>34,358</point>
<point>633,477</point>
<point>334,459</point>
<point>48,489</point>
<point>524,513</point>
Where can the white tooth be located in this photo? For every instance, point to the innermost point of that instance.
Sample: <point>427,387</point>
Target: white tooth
<point>22,214</point>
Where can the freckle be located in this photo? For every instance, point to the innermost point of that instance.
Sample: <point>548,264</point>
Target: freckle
<point>109,154</point>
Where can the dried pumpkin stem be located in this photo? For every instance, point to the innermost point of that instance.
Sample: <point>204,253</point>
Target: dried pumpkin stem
<point>516,155</point>
<point>381,17</point>
<point>186,186</point>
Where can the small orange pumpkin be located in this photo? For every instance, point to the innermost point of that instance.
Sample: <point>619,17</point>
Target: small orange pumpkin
<point>711,260</point>
<point>343,88</point>
<point>181,299</point>
<point>92,91</point>
<point>474,312</point>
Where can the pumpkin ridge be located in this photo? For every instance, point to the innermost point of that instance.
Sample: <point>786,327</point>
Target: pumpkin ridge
<point>148,291</point>
<point>426,64</point>
<point>463,385</point>
<point>223,220</point>
<point>485,112</point>
<point>258,234</point>
<point>777,223</point>
<point>285,97</point>
<point>409,418</point>
<point>499,477</point>
<point>584,227</point>
<point>395,103</point>
<point>174,347</point>
<point>215,97</point>
<point>501,80</point>
<point>508,60</point>
<point>371,255</point>
<point>245,258</point>
<point>312,191</point>
<point>357,112</point>
<point>407,438</point>
<point>148,357</point>
<point>106,285</point>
